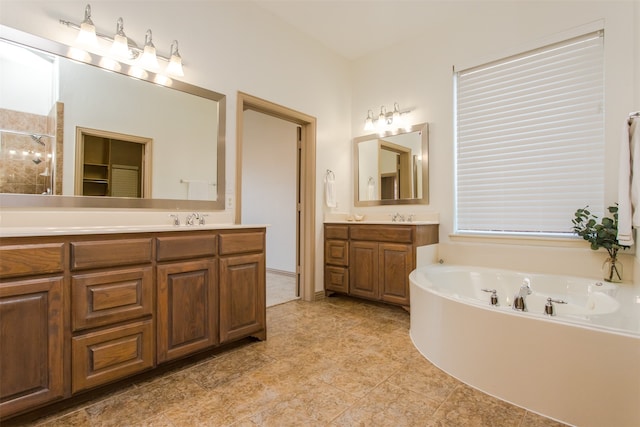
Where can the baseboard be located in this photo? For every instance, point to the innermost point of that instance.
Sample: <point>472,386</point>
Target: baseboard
<point>281,272</point>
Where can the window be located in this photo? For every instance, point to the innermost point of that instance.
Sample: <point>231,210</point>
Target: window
<point>530,139</point>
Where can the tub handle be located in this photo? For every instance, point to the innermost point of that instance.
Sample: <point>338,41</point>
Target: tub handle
<point>549,309</point>
<point>494,295</point>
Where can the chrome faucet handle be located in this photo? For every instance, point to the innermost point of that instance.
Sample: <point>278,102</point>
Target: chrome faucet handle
<point>201,219</point>
<point>549,308</point>
<point>494,295</point>
<point>175,219</point>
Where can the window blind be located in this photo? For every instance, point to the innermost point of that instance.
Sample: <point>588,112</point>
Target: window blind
<point>530,139</point>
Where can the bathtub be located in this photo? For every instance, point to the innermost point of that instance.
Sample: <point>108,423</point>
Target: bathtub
<point>580,367</point>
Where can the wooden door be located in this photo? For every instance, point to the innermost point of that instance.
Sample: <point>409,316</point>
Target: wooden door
<point>363,275</point>
<point>396,262</point>
<point>242,296</point>
<point>187,309</point>
<point>31,339</point>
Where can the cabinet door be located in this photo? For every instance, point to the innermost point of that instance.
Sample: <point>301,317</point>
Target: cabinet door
<point>242,297</point>
<point>187,308</point>
<point>108,355</point>
<point>336,278</point>
<point>363,276</point>
<point>396,262</point>
<point>31,344</point>
<point>336,252</point>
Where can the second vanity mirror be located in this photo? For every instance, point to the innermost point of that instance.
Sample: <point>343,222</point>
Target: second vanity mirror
<point>182,127</point>
<point>392,169</point>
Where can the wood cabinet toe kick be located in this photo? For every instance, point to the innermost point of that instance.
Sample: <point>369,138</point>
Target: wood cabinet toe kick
<point>80,312</point>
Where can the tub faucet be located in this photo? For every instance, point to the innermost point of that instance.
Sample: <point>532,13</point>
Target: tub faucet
<point>519,300</point>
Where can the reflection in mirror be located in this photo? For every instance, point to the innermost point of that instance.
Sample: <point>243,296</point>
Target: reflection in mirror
<point>46,98</point>
<point>392,169</point>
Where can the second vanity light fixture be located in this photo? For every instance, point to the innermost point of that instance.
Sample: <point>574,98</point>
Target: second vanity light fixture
<point>387,122</point>
<point>124,49</point>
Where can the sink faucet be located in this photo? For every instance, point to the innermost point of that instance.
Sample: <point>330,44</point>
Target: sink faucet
<point>397,217</point>
<point>519,300</point>
<point>191,218</point>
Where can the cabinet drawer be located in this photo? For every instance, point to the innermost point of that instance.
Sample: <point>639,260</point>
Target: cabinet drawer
<point>108,355</point>
<point>336,232</point>
<point>100,299</point>
<point>110,253</point>
<point>336,279</point>
<point>182,247</point>
<point>382,233</point>
<point>23,260</point>
<point>336,252</point>
<point>241,242</point>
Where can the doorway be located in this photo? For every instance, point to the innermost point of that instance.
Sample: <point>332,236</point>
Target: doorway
<point>304,191</point>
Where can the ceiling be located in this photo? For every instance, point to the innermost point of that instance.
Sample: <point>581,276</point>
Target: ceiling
<point>355,28</point>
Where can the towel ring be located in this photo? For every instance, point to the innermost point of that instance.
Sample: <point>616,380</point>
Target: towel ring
<point>330,174</point>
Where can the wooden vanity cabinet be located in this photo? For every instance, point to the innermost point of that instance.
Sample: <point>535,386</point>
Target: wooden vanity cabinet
<point>187,313</point>
<point>242,285</point>
<point>111,310</point>
<point>79,312</point>
<point>32,325</point>
<point>380,259</point>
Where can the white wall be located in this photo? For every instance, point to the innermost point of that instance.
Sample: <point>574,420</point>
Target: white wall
<point>269,184</point>
<point>476,32</point>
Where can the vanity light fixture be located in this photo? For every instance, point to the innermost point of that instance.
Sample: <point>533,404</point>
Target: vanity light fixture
<point>87,34</point>
<point>175,61</point>
<point>123,49</point>
<point>387,122</point>
<point>149,59</point>
<point>120,46</point>
<point>368,123</point>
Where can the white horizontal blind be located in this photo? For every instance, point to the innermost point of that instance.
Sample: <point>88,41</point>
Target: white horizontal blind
<point>530,139</point>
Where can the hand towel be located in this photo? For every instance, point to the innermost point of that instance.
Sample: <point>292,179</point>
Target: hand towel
<point>628,182</point>
<point>330,190</point>
<point>197,190</point>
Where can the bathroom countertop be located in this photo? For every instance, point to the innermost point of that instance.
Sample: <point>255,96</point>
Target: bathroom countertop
<point>115,229</point>
<point>382,222</point>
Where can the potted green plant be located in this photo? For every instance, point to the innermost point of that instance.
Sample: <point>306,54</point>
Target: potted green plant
<point>603,235</point>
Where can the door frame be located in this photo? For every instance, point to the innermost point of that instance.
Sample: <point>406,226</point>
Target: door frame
<point>307,235</point>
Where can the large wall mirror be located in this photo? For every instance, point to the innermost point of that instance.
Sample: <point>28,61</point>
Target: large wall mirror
<point>393,169</point>
<point>47,97</point>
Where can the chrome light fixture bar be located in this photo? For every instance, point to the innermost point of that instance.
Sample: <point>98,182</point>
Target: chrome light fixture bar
<point>387,121</point>
<point>123,48</point>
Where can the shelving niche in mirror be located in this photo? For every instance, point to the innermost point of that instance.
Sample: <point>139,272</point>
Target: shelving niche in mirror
<point>392,169</point>
<point>185,123</point>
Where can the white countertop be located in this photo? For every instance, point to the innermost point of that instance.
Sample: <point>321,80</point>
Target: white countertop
<point>382,222</point>
<point>115,229</point>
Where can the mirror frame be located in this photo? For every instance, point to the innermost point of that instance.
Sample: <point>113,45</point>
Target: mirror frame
<point>424,127</point>
<point>8,200</point>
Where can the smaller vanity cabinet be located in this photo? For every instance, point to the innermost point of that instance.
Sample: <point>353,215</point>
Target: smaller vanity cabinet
<point>242,285</point>
<point>111,310</point>
<point>376,261</point>
<point>187,313</point>
<point>32,325</point>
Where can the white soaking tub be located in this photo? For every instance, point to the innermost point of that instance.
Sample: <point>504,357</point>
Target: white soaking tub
<point>581,366</point>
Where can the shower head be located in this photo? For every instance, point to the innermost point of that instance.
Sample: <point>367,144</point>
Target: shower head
<point>37,160</point>
<point>38,139</point>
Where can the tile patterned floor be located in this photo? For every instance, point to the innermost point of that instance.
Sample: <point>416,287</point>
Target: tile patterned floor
<point>280,288</point>
<point>333,362</point>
